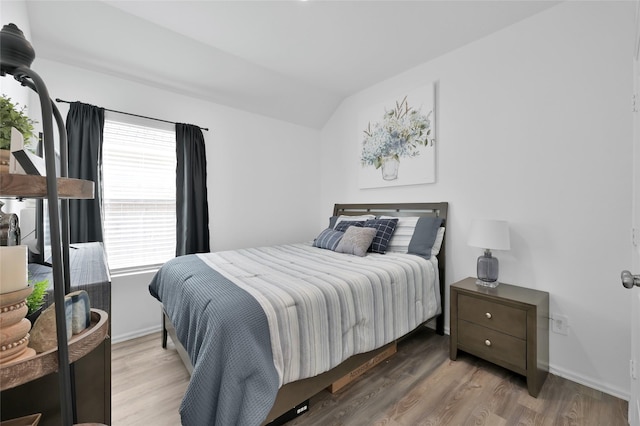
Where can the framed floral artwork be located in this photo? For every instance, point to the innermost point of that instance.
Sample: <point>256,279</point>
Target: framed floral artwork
<point>397,141</point>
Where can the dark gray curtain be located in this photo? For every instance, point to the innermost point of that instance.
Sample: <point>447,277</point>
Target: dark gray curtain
<point>192,208</point>
<point>85,124</point>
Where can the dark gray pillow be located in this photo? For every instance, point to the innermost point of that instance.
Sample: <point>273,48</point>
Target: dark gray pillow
<point>424,236</point>
<point>328,239</point>
<point>332,221</point>
<point>344,224</point>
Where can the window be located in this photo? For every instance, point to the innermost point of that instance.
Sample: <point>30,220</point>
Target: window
<point>139,181</point>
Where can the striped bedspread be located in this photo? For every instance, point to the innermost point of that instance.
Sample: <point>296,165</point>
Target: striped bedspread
<point>322,306</point>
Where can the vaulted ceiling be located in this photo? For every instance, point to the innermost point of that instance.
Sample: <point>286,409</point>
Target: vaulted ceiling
<point>290,60</point>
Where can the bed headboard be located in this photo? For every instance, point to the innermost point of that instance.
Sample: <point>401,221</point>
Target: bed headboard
<point>391,209</point>
<point>408,209</point>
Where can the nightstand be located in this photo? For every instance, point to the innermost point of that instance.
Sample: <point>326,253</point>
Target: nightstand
<point>506,325</point>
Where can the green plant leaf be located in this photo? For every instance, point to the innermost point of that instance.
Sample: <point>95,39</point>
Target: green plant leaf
<point>36,298</point>
<point>12,116</point>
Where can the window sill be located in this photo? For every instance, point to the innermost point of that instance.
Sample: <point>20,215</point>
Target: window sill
<point>127,272</point>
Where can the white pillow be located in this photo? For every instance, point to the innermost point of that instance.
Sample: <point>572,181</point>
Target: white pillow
<point>353,218</point>
<point>438,242</point>
<point>404,231</point>
<point>402,235</point>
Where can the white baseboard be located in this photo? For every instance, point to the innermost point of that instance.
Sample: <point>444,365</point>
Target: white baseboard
<point>590,382</point>
<point>135,334</point>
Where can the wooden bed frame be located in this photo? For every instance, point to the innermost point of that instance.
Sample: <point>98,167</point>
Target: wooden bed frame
<point>294,393</point>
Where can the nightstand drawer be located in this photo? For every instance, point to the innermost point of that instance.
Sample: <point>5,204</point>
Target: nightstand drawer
<point>493,315</point>
<point>493,346</point>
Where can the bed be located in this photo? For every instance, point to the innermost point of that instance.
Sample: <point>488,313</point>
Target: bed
<point>263,329</point>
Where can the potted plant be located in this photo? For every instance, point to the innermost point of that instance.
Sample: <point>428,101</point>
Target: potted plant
<point>12,115</point>
<point>36,299</point>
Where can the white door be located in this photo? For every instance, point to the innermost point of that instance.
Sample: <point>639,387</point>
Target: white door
<point>634,399</point>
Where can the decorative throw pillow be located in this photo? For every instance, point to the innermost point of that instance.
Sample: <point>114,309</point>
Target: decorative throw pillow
<point>402,235</point>
<point>342,226</point>
<point>424,236</point>
<point>328,239</point>
<point>332,221</point>
<point>384,228</point>
<point>345,217</point>
<point>356,240</point>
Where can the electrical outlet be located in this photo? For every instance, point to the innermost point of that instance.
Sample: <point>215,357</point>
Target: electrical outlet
<point>560,324</point>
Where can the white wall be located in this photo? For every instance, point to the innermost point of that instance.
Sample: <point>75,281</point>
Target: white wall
<point>15,12</point>
<point>534,126</point>
<point>259,172</point>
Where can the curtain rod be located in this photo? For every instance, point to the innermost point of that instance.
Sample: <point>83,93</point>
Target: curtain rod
<point>134,115</point>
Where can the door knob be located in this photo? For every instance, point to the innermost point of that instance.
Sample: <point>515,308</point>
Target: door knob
<point>629,280</point>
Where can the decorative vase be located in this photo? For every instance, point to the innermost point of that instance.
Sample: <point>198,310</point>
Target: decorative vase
<point>390,166</point>
<point>14,327</point>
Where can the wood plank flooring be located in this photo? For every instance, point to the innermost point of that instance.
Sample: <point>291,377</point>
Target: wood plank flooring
<point>417,386</point>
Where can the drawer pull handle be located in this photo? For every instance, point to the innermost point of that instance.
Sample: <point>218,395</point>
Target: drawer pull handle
<point>488,315</point>
<point>487,342</point>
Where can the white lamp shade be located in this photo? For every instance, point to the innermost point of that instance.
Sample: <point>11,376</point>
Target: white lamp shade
<point>489,234</point>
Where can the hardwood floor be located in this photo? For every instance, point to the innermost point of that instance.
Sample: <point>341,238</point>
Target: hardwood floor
<point>147,383</point>
<point>417,386</point>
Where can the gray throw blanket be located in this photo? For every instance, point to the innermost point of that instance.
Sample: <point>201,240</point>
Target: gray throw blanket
<point>226,334</point>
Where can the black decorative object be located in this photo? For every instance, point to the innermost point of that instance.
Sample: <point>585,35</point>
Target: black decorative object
<point>9,228</point>
<point>16,50</point>
<point>31,163</point>
<point>16,57</point>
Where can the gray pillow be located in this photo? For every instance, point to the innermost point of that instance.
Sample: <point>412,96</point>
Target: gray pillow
<point>356,240</point>
<point>424,236</point>
<point>328,239</point>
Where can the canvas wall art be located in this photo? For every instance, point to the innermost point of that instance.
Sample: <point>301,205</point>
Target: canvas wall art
<point>397,141</point>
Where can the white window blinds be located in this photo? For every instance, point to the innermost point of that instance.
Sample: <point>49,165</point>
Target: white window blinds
<point>139,180</point>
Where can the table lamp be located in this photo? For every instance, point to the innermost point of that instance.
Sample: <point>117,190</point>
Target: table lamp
<point>489,234</point>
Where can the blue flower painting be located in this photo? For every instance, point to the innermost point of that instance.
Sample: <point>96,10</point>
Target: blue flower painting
<point>397,145</point>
